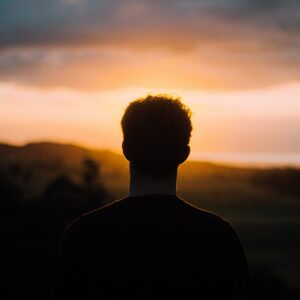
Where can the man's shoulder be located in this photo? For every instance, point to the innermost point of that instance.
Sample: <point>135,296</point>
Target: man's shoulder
<point>204,215</point>
<point>212,222</point>
<point>190,215</point>
<point>94,218</point>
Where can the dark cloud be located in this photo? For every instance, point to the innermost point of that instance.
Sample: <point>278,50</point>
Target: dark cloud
<point>257,35</point>
<point>60,22</point>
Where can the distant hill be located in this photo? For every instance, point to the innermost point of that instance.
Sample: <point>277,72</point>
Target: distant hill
<point>50,159</point>
<point>36,164</point>
<point>47,151</point>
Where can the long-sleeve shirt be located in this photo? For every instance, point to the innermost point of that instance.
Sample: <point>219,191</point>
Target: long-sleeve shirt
<point>148,247</point>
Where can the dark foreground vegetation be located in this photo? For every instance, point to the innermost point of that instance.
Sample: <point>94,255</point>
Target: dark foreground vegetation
<point>45,186</point>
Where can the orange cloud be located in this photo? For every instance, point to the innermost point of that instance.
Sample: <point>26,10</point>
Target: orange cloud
<point>172,44</point>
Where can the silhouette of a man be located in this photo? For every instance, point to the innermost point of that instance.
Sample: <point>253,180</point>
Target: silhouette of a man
<point>152,244</point>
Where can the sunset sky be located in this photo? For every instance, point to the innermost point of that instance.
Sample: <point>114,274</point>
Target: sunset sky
<point>68,68</point>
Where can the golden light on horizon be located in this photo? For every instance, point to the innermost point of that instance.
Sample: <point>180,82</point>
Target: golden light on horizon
<point>223,121</point>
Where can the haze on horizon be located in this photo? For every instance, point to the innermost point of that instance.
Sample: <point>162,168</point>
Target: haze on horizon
<point>68,69</point>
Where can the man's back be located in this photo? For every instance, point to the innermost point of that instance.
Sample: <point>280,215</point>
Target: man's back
<point>148,247</point>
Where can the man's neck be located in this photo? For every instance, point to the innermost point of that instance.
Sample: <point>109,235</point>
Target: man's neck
<point>143,185</point>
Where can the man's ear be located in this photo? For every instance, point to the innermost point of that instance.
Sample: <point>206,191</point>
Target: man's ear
<point>185,154</point>
<point>125,150</point>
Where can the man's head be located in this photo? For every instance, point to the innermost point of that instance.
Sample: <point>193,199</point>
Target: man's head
<point>157,131</point>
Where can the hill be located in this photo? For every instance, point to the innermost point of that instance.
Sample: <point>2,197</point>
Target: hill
<point>202,182</point>
<point>67,154</point>
<point>42,161</point>
<point>44,179</point>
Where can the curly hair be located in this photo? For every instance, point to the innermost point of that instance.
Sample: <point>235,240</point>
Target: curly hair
<point>157,131</point>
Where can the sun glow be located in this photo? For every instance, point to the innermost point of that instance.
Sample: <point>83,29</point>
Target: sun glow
<point>223,121</point>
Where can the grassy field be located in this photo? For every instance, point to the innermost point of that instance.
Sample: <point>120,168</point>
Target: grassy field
<point>44,186</point>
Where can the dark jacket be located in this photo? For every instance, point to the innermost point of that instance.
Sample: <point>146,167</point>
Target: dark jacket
<point>150,247</point>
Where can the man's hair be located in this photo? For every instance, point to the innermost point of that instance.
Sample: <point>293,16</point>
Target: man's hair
<point>157,131</point>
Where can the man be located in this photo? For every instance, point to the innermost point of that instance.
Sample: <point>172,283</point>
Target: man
<point>152,244</point>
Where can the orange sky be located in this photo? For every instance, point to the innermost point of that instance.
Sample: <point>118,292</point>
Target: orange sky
<point>69,68</point>
<point>266,120</point>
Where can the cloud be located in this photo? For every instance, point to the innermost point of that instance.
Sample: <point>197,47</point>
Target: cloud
<point>61,22</point>
<point>225,44</point>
